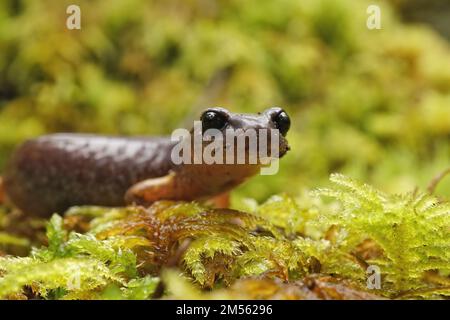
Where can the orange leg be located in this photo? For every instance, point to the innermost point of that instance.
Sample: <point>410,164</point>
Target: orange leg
<point>151,190</point>
<point>220,201</point>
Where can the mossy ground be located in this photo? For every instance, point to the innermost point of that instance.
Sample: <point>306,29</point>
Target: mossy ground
<point>284,248</point>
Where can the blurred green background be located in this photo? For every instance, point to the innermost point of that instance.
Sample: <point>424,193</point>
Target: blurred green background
<point>374,104</point>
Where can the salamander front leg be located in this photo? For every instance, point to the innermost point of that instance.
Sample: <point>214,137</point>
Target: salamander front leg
<point>151,190</point>
<point>220,201</point>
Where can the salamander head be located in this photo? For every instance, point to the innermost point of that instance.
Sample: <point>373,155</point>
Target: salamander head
<point>202,164</point>
<point>262,134</point>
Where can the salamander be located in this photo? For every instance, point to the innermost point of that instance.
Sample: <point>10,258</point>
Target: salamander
<point>51,173</point>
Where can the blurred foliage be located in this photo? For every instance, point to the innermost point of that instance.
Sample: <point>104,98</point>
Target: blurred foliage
<point>370,103</point>
<point>433,12</point>
<point>287,248</point>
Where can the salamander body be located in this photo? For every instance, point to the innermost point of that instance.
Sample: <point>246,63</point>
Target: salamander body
<point>54,172</point>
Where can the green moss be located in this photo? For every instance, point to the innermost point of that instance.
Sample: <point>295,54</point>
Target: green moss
<point>72,264</point>
<point>412,230</point>
<point>315,58</point>
<point>121,255</point>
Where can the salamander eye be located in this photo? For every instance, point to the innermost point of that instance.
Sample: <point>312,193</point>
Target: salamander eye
<point>282,122</point>
<point>213,120</point>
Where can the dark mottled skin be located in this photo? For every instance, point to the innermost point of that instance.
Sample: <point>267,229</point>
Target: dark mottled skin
<point>54,172</point>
